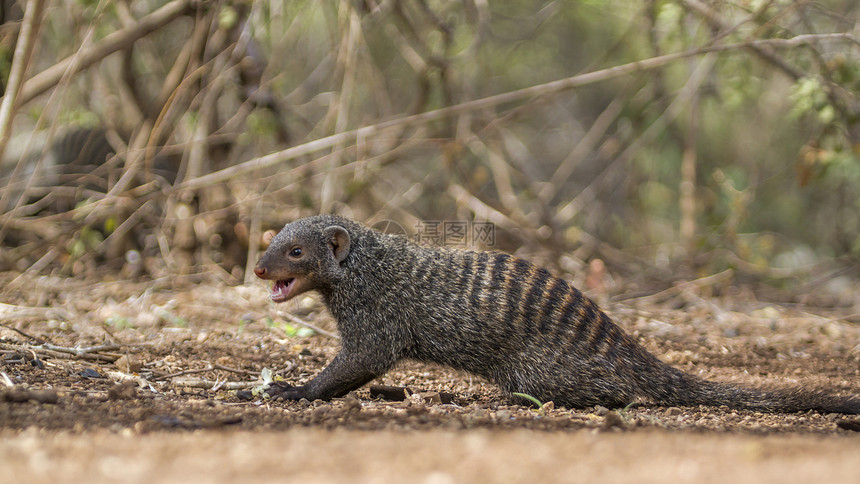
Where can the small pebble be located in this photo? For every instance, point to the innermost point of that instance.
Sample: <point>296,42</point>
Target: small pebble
<point>612,421</point>
<point>503,414</point>
<point>126,390</point>
<point>127,364</point>
<point>90,373</point>
<point>673,411</point>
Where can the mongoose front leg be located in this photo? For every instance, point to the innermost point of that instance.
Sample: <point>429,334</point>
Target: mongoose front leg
<point>343,375</point>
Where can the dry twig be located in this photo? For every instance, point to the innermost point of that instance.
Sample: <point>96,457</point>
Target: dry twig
<point>683,286</point>
<point>34,338</point>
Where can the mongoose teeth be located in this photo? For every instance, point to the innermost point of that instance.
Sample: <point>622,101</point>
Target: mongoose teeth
<point>281,289</point>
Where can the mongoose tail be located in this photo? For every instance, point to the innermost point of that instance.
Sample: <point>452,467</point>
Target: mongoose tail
<point>486,313</point>
<point>669,386</point>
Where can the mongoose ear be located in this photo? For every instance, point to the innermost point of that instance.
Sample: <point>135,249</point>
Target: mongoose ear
<point>338,242</point>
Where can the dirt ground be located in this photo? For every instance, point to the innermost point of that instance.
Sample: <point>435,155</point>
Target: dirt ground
<point>156,382</point>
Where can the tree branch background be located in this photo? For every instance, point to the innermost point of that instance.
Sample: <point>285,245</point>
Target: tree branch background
<point>671,139</point>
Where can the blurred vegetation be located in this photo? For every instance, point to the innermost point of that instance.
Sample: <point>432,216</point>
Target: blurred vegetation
<point>228,118</point>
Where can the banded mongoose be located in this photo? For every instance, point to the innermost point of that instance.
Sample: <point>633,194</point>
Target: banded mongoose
<point>487,313</point>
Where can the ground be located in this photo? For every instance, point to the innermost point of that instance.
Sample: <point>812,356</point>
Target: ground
<point>156,381</point>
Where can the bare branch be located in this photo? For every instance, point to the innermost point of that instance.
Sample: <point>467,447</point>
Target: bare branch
<point>20,61</point>
<point>113,42</point>
<point>762,48</point>
<point>487,102</point>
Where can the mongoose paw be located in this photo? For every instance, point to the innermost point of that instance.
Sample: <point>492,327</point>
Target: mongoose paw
<point>280,390</point>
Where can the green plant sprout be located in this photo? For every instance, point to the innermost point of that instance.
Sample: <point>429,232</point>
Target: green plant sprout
<point>538,404</point>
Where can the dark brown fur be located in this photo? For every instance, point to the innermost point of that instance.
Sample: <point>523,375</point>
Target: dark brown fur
<point>488,313</point>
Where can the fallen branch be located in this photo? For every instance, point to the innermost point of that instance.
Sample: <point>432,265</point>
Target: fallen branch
<point>81,351</point>
<point>214,384</point>
<point>60,352</point>
<point>209,368</point>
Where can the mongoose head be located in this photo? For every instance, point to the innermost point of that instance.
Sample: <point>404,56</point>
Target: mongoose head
<point>305,255</point>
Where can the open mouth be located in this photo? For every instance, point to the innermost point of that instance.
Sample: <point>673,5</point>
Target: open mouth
<point>283,289</point>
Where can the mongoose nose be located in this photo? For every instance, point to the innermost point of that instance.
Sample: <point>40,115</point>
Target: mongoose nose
<point>260,271</point>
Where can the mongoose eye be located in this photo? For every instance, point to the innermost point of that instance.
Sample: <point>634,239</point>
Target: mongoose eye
<point>296,252</point>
